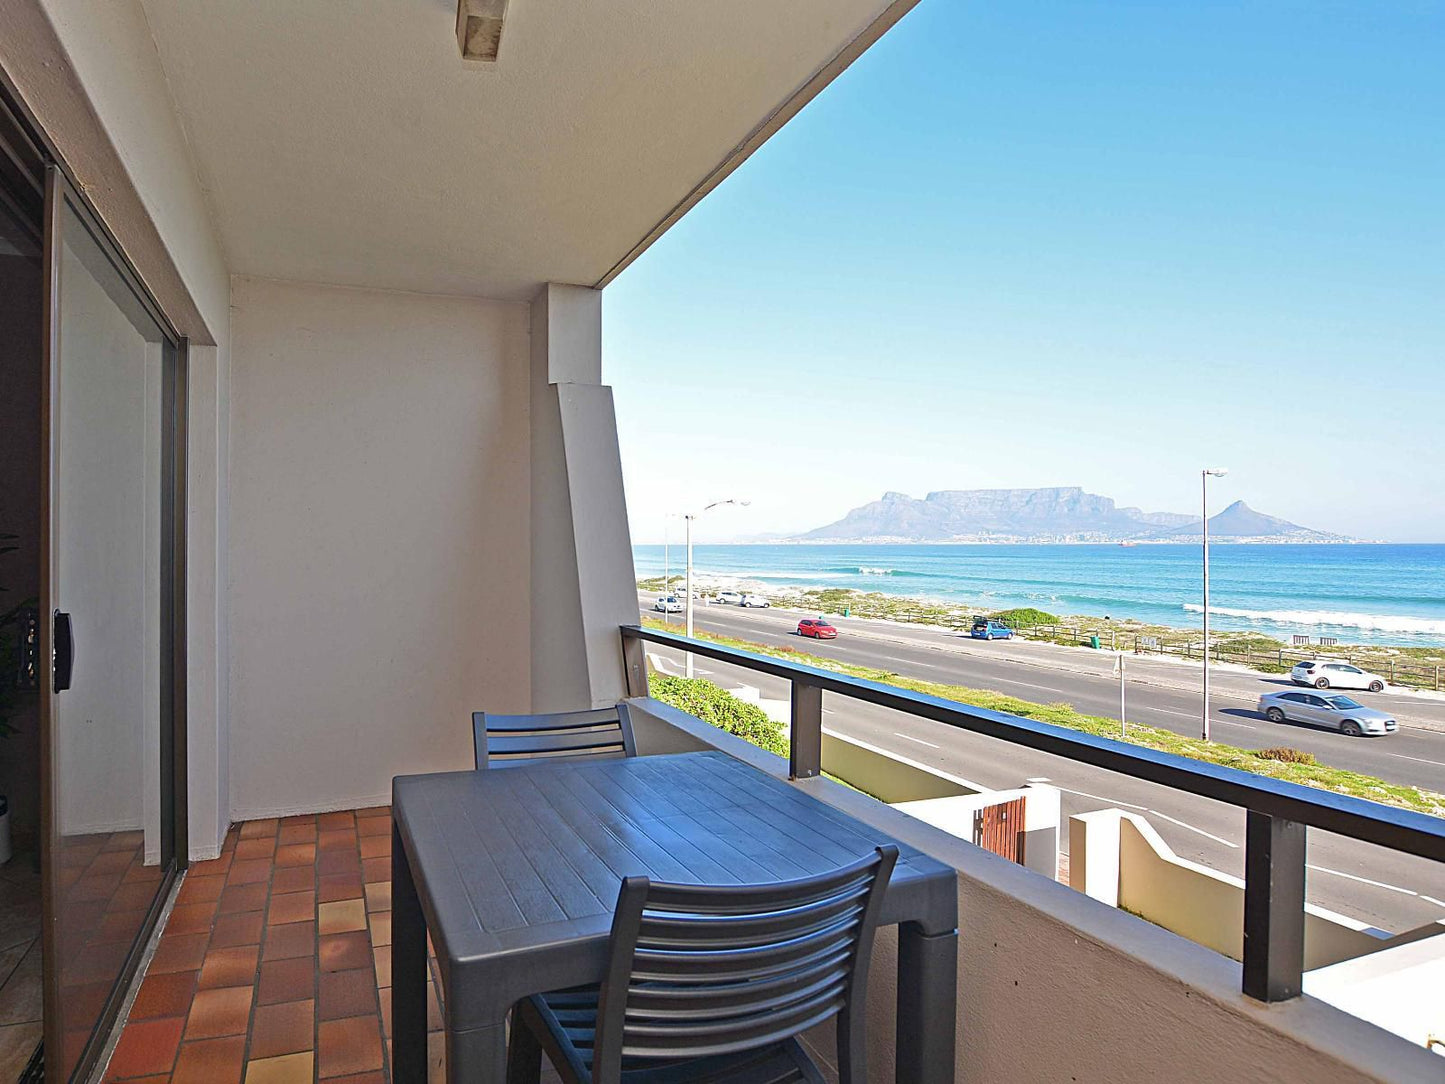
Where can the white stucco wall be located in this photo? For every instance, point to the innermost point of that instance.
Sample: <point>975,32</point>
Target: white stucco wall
<point>113,54</point>
<point>379,530</point>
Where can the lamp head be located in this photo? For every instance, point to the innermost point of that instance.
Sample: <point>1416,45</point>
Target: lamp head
<point>1217,472</point>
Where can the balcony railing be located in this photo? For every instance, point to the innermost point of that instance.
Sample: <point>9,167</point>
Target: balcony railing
<point>1277,812</point>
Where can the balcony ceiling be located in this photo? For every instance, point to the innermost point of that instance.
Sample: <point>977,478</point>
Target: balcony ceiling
<point>349,143</point>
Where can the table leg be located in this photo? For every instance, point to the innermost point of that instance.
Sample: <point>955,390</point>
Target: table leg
<point>408,972</point>
<point>927,1005</point>
<point>479,1054</point>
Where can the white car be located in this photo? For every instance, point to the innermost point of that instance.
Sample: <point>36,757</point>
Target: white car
<point>668,604</point>
<point>729,598</point>
<point>1328,674</point>
<point>754,600</point>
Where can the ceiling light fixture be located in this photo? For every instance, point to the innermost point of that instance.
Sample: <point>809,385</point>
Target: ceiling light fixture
<point>479,28</point>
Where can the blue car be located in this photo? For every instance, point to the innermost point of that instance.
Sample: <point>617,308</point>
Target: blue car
<point>987,629</point>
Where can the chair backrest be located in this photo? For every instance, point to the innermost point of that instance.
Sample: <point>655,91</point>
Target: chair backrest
<point>698,970</point>
<point>503,741</point>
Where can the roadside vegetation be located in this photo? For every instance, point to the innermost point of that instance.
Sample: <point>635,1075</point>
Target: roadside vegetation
<point>1280,763</point>
<point>715,705</point>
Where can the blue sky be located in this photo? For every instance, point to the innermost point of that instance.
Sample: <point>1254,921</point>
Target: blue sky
<point>1026,244</point>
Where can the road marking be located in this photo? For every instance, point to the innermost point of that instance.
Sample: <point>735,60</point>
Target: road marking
<point>1191,827</point>
<point>1031,685</point>
<point>1363,880</point>
<point>1422,760</point>
<point>1195,715</point>
<point>1432,899</point>
<point>910,737</point>
<point>1101,798</point>
<point>1037,779</point>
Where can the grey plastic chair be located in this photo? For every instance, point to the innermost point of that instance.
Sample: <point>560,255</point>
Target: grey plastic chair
<point>503,741</point>
<point>709,984</point>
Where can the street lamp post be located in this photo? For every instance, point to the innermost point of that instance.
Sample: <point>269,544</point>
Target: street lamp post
<point>666,569</point>
<point>1204,476</point>
<point>688,517</point>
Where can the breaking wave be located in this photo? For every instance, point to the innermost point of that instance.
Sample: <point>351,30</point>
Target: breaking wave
<point>866,570</point>
<point>1378,622</point>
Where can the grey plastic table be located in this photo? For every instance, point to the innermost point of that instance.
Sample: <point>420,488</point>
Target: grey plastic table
<point>515,874</point>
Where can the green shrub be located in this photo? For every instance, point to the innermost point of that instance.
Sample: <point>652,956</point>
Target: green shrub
<point>700,697</point>
<point>1286,754</point>
<point>1026,615</point>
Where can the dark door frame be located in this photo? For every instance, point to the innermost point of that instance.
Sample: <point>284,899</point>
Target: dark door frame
<point>33,178</point>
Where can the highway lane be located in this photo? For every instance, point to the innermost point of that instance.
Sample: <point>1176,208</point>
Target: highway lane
<point>1412,756</point>
<point>1370,884</point>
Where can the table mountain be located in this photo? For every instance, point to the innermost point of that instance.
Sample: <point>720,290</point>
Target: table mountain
<point>1057,514</point>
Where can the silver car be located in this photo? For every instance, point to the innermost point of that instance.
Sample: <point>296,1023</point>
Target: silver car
<point>1331,710</point>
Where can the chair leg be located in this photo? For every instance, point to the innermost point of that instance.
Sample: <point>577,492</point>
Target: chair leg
<point>524,1052</point>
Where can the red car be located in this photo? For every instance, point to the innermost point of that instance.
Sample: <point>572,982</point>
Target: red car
<point>818,628</point>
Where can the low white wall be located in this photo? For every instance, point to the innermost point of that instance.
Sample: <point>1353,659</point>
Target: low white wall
<point>1119,859</point>
<point>1055,986</point>
<point>1043,809</point>
<point>379,538</point>
<point>1401,989</point>
<point>887,776</point>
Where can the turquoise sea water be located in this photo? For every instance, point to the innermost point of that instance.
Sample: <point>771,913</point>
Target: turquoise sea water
<point>1358,593</point>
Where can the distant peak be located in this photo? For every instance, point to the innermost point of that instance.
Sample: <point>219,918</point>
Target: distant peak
<point>1057,513</point>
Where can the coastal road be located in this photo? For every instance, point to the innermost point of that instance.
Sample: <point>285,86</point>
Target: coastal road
<point>1370,884</point>
<point>1160,692</point>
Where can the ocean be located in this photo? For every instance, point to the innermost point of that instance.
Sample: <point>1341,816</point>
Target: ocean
<point>1358,593</point>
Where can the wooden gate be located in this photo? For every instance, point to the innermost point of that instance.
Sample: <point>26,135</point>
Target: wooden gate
<point>1000,829</point>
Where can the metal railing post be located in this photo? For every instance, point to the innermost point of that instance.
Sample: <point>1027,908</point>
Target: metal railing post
<point>1274,907</point>
<point>805,736</point>
<point>634,664</point>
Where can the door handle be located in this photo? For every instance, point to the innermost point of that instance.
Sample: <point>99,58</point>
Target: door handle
<point>63,652</point>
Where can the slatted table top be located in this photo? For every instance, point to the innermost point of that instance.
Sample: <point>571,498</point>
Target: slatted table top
<point>531,858</point>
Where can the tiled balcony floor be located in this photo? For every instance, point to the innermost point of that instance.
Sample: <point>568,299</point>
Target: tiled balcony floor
<point>275,965</point>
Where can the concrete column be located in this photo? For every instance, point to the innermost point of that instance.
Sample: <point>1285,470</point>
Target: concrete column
<point>1094,854</point>
<point>207,647</point>
<point>582,573</point>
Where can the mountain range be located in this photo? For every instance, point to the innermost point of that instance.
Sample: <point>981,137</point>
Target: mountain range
<point>1057,514</point>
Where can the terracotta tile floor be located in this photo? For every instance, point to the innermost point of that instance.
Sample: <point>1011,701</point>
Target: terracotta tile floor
<point>275,965</point>
<point>20,1007</point>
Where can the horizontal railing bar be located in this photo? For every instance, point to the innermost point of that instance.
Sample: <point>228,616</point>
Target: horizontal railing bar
<point>1371,822</point>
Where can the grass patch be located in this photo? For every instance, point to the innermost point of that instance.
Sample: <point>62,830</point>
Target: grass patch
<point>1287,755</point>
<point>1320,776</point>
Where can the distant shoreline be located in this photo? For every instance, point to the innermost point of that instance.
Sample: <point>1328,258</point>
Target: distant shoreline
<point>950,614</point>
<point>1126,543</point>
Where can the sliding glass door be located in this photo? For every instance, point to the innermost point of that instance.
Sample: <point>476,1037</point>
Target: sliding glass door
<point>115,387</point>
